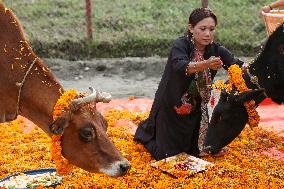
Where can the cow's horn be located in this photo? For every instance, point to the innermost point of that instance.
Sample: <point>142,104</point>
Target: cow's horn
<point>91,97</point>
<point>103,97</point>
<point>95,96</point>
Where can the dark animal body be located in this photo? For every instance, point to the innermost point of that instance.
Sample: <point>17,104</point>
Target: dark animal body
<point>28,88</point>
<point>230,116</point>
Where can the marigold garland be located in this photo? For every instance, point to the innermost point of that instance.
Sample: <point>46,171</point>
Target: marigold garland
<point>236,78</point>
<point>235,75</point>
<point>63,167</point>
<point>63,102</point>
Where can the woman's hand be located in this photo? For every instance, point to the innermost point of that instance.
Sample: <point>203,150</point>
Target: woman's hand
<point>244,67</point>
<point>214,63</point>
<point>265,9</point>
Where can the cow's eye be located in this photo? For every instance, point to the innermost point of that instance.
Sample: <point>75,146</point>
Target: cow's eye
<point>87,134</point>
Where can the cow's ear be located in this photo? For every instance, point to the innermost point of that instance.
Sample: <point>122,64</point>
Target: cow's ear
<point>248,95</point>
<point>58,125</point>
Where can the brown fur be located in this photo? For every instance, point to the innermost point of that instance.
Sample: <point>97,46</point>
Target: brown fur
<point>39,94</point>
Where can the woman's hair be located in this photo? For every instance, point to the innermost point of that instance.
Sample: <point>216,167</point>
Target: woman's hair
<point>199,14</point>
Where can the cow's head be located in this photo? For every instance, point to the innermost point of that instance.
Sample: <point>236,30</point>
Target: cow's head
<point>228,119</point>
<point>84,141</point>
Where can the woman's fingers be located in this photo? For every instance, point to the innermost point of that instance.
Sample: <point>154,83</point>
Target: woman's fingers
<point>215,63</point>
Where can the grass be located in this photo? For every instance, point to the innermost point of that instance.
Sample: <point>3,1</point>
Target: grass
<point>132,28</point>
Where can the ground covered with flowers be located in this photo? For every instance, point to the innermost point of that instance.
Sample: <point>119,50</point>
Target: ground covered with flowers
<point>247,165</point>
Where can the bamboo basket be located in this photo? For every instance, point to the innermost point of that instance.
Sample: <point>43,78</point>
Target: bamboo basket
<point>272,20</point>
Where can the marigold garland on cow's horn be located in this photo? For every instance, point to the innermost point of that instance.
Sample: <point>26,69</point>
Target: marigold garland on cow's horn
<point>63,166</point>
<point>236,78</point>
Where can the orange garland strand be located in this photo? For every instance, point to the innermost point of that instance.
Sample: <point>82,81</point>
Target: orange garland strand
<point>236,78</point>
<point>63,167</point>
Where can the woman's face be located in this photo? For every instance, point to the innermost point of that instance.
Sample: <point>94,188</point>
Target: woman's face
<point>203,32</point>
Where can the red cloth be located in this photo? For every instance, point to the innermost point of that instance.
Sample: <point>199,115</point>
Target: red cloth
<point>271,116</point>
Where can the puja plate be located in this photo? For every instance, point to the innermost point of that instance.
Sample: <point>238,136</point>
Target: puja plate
<point>46,177</point>
<point>182,165</point>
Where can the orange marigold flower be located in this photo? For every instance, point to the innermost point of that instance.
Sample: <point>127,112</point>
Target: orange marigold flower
<point>131,97</point>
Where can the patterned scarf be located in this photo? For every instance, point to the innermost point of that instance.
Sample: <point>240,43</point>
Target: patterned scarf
<point>203,84</point>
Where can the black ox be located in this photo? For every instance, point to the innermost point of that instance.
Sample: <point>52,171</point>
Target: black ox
<point>230,116</point>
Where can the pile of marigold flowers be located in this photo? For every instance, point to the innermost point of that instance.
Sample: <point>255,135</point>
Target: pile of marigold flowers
<point>243,167</point>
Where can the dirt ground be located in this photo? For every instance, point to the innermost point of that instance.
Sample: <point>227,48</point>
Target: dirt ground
<point>121,77</point>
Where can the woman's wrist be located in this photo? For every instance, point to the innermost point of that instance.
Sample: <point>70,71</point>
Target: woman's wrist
<point>194,67</point>
<point>203,65</point>
<point>190,68</point>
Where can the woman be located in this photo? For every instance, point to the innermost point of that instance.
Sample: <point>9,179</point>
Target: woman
<point>273,5</point>
<point>178,119</point>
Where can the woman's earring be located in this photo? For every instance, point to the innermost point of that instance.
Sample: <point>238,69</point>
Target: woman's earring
<point>192,40</point>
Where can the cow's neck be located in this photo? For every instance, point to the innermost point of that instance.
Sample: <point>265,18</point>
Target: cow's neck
<point>40,90</point>
<point>39,94</point>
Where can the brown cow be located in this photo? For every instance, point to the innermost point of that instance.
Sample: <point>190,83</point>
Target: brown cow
<point>28,88</point>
